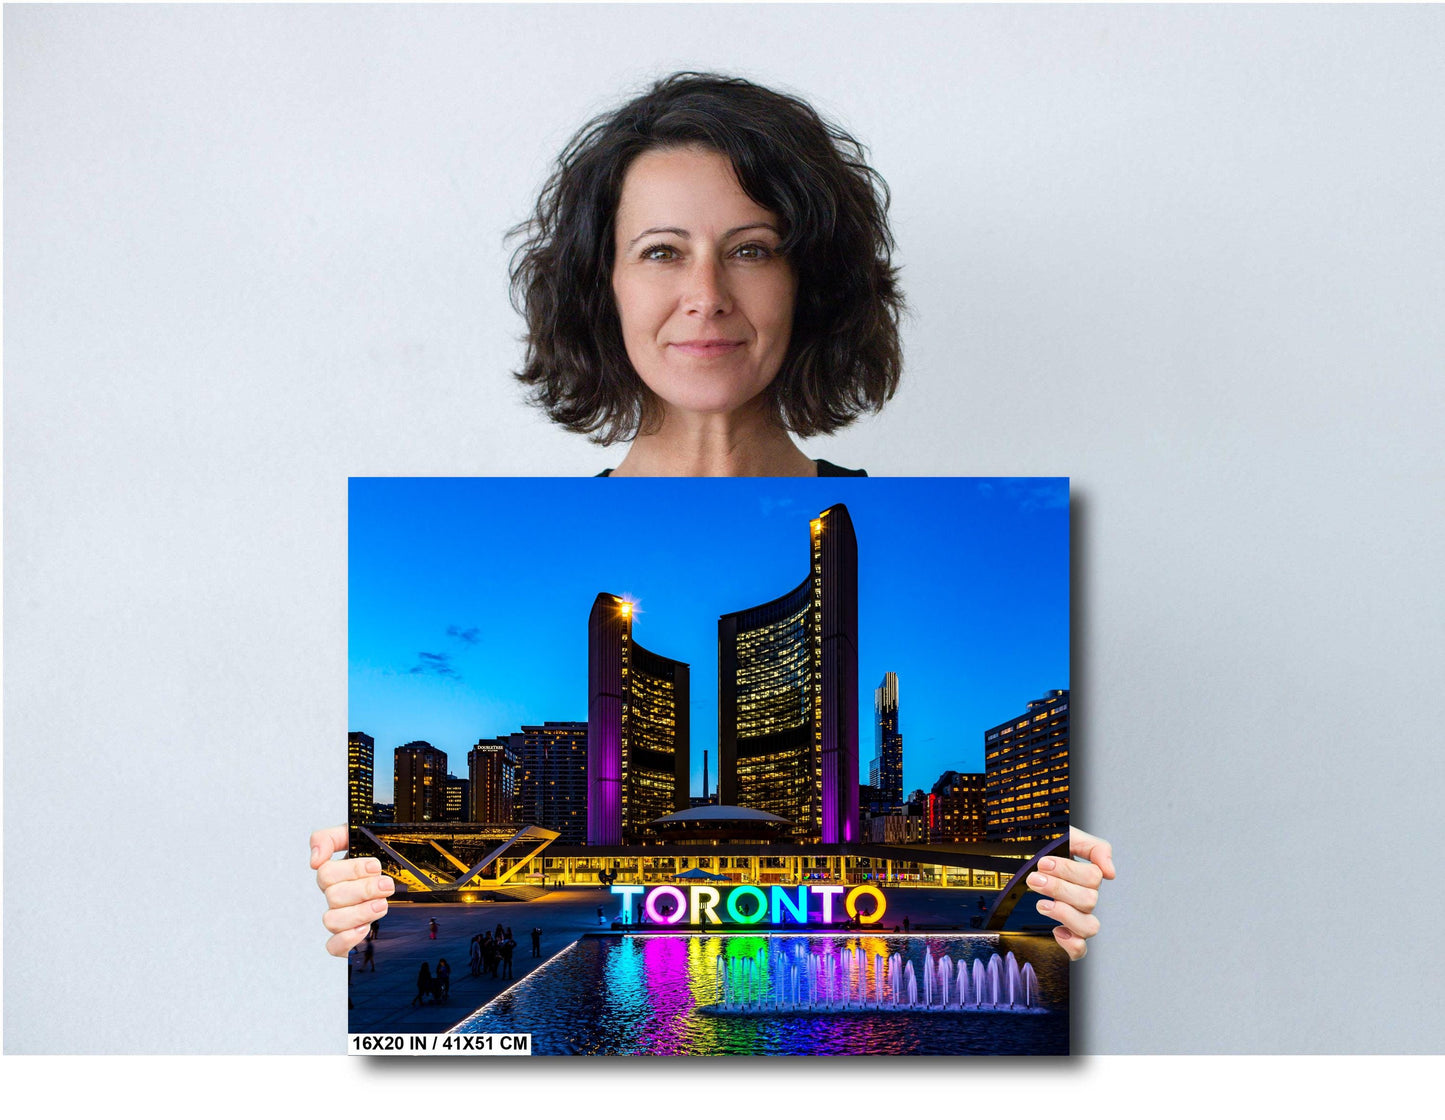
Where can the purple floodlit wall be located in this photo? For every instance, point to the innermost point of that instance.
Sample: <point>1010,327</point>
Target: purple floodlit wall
<point>605,627</point>
<point>727,710</point>
<point>840,676</point>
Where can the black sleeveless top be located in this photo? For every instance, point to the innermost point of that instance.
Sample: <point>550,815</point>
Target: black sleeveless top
<point>825,470</point>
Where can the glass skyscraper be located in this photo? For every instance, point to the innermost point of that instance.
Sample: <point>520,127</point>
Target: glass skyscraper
<point>637,729</point>
<point>885,771</point>
<point>788,694</point>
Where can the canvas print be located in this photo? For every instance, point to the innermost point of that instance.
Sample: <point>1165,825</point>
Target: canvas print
<point>710,766</point>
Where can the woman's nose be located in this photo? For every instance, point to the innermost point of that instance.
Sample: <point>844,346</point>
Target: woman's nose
<point>707,289</point>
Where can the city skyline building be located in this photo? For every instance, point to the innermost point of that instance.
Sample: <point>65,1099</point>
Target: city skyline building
<point>872,807</point>
<point>788,694</point>
<point>360,777</point>
<point>551,782</point>
<point>957,810</point>
<point>419,773</point>
<point>458,799</point>
<point>885,770</point>
<point>638,724</point>
<point>492,766</point>
<point>1026,767</point>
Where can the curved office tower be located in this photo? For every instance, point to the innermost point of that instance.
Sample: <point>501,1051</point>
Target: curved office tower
<point>637,729</point>
<point>788,694</point>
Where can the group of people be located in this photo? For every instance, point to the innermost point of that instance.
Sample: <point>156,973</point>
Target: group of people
<point>491,956</point>
<point>492,952</point>
<point>438,987</point>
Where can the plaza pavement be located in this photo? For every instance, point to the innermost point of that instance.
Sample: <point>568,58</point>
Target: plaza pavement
<point>382,999</point>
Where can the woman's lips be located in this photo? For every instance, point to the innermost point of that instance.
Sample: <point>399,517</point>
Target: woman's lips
<point>706,349</point>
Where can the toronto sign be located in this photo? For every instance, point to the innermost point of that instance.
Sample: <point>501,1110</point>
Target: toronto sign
<point>748,905</point>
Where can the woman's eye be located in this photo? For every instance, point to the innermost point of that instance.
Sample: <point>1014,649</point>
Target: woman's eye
<point>659,253</point>
<point>753,252</point>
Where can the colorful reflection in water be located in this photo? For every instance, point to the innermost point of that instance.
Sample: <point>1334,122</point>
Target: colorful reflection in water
<point>640,995</point>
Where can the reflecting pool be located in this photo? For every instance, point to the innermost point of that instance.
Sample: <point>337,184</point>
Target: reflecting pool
<point>800,994</point>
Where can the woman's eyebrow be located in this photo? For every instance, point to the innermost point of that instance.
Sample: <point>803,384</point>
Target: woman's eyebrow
<point>682,233</point>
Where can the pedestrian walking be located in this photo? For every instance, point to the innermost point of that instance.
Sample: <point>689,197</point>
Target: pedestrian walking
<point>424,985</point>
<point>507,946</point>
<point>432,925</point>
<point>599,916</point>
<point>368,955</point>
<point>475,958</point>
<point>444,980</point>
<point>536,942</point>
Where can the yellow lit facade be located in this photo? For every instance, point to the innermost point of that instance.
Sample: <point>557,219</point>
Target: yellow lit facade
<point>787,730</point>
<point>1026,766</point>
<point>638,729</point>
<point>652,716</point>
<point>420,781</point>
<point>360,777</point>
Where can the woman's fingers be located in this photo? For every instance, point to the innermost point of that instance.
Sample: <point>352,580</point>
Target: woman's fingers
<point>341,919</point>
<point>325,843</point>
<point>342,943</point>
<point>1073,889</point>
<point>1075,871</point>
<point>1054,885</point>
<point>355,889</point>
<point>1071,943</point>
<point>1079,923</point>
<point>1097,851</point>
<point>339,870</point>
<point>351,892</point>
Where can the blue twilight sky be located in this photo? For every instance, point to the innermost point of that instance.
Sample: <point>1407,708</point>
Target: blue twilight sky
<point>469,599</point>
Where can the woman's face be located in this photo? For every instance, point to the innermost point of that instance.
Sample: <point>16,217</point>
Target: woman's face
<point>705,300</point>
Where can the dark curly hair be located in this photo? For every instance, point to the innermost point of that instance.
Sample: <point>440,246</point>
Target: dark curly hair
<point>844,356</point>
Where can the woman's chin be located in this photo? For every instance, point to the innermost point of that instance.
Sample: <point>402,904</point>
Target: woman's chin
<point>696,401</point>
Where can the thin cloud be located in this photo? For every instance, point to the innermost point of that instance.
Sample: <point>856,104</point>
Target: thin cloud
<point>1028,494</point>
<point>471,635</point>
<point>434,664</point>
<point>1043,495</point>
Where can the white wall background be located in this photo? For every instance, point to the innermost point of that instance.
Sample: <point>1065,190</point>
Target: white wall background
<point>1192,257</point>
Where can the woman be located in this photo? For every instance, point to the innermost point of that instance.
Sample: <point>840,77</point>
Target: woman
<point>708,274</point>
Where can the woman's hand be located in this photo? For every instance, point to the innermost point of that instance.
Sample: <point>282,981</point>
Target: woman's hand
<point>356,890</point>
<point>1072,888</point>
